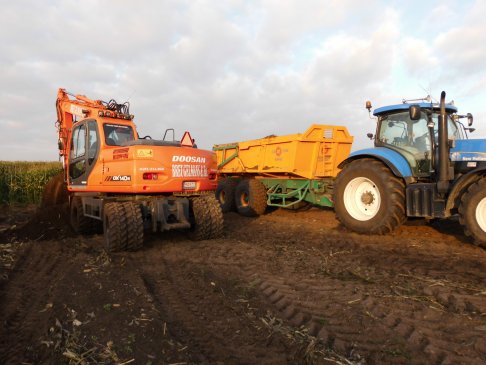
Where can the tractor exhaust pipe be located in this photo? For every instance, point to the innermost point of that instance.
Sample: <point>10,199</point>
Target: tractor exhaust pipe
<point>443,180</point>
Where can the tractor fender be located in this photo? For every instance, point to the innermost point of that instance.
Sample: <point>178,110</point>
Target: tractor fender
<point>395,162</point>
<point>461,185</point>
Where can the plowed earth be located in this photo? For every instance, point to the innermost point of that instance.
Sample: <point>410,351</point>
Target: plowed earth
<point>285,288</point>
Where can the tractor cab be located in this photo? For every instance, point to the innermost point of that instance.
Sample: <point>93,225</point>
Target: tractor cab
<point>412,131</point>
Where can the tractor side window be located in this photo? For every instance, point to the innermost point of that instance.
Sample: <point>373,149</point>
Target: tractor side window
<point>117,134</point>
<point>78,148</point>
<point>93,143</point>
<point>394,130</point>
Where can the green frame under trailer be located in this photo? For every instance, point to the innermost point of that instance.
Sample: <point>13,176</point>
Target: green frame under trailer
<point>286,193</point>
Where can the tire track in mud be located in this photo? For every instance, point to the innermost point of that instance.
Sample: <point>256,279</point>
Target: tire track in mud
<point>201,309</point>
<point>23,299</point>
<point>431,326</point>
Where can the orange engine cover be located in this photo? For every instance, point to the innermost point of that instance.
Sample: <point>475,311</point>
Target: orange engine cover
<point>151,169</point>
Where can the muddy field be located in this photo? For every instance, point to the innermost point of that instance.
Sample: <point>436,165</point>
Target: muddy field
<point>284,288</point>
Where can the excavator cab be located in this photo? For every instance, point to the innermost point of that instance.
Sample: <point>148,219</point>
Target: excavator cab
<point>84,151</point>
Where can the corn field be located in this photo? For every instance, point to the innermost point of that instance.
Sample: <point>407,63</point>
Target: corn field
<point>23,182</point>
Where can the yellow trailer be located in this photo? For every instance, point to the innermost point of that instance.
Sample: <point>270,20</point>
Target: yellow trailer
<point>281,170</point>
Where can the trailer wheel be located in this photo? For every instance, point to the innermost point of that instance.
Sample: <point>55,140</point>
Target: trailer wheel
<point>79,222</point>
<point>472,212</point>
<point>206,218</point>
<point>134,226</point>
<point>225,194</point>
<point>115,227</point>
<point>251,197</point>
<point>368,198</point>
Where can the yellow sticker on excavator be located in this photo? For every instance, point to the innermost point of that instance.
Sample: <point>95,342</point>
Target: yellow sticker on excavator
<point>145,153</point>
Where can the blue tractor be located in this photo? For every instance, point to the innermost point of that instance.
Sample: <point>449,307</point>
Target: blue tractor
<point>422,165</point>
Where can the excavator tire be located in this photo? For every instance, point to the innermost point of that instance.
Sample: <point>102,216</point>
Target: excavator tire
<point>225,194</point>
<point>55,192</point>
<point>251,198</point>
<point>79,222</point>
<point>368,198</point>
<point>206,218</point>
<point>115,227</point>
<point>472,212</point>
<point>134,226</point>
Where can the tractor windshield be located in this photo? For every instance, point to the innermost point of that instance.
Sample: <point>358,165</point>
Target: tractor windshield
<point>412,138</point>
<point>117,134</point>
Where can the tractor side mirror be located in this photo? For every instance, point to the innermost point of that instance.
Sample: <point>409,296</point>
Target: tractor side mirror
<point>369,135</point>
<point>469,119</point>
<point>60,144</point>
<point>414,112</point>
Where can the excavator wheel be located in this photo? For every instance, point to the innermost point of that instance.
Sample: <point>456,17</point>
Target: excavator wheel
<point>134,226</point>
<point>115,227</point>
<point>225,194</point>
<point>79,222</point>
<point>251,198</point>
<point>206,218</point>
<point>472,212</point>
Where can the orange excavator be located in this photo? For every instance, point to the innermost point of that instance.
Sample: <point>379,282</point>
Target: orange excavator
<point>126,184</point>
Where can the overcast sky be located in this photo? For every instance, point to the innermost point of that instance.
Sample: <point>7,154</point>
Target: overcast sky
<point>234,70</point>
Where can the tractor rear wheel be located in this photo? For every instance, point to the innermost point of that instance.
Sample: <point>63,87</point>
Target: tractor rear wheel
<point>251,198</point>
<point>206,218</point>
<point>115,227</point>
<point>225,194</point>
<point>472,212</point>
<point>368,198</point>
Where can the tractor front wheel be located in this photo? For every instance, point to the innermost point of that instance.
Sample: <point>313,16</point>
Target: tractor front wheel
<point>472,212</point>
<point>368,198</point>
<point>114,227</point>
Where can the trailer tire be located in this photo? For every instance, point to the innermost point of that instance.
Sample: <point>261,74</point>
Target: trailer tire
<point>79,222</point>
<point>206,218</point>
<point>368,198</point>
<point>114,227</point>
<point>251,198</point>
<point>133,214</point>
<point>225,194</point>
<point>472,212</point>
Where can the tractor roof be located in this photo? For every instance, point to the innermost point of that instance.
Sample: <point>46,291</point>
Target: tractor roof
<point>450,108</point>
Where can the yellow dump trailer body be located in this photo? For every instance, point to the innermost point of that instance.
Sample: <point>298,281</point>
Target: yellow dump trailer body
<point>314,154</point>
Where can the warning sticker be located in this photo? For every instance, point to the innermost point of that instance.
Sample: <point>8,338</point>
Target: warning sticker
<point>145,153</point>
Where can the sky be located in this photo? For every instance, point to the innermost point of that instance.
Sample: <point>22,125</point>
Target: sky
<point>234,70</point>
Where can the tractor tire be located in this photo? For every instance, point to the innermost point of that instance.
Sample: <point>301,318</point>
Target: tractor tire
<point>472,212</point>
<point>55,192</point>
<point>368,198</point>
<point>225,194</point>
<point>115,227</point>
<point>206,218</point>
<point>134,227</point>
<point>79,222</point>
<point>251,198</point>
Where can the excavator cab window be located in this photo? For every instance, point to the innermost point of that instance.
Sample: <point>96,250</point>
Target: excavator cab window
<point>84,151</point>
<point>117,134</point>
<point>77,166</point>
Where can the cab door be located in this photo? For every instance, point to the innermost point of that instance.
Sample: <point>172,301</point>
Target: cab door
<point>84,152</point>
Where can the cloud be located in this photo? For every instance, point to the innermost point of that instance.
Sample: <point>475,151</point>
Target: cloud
<point>225,71</point>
